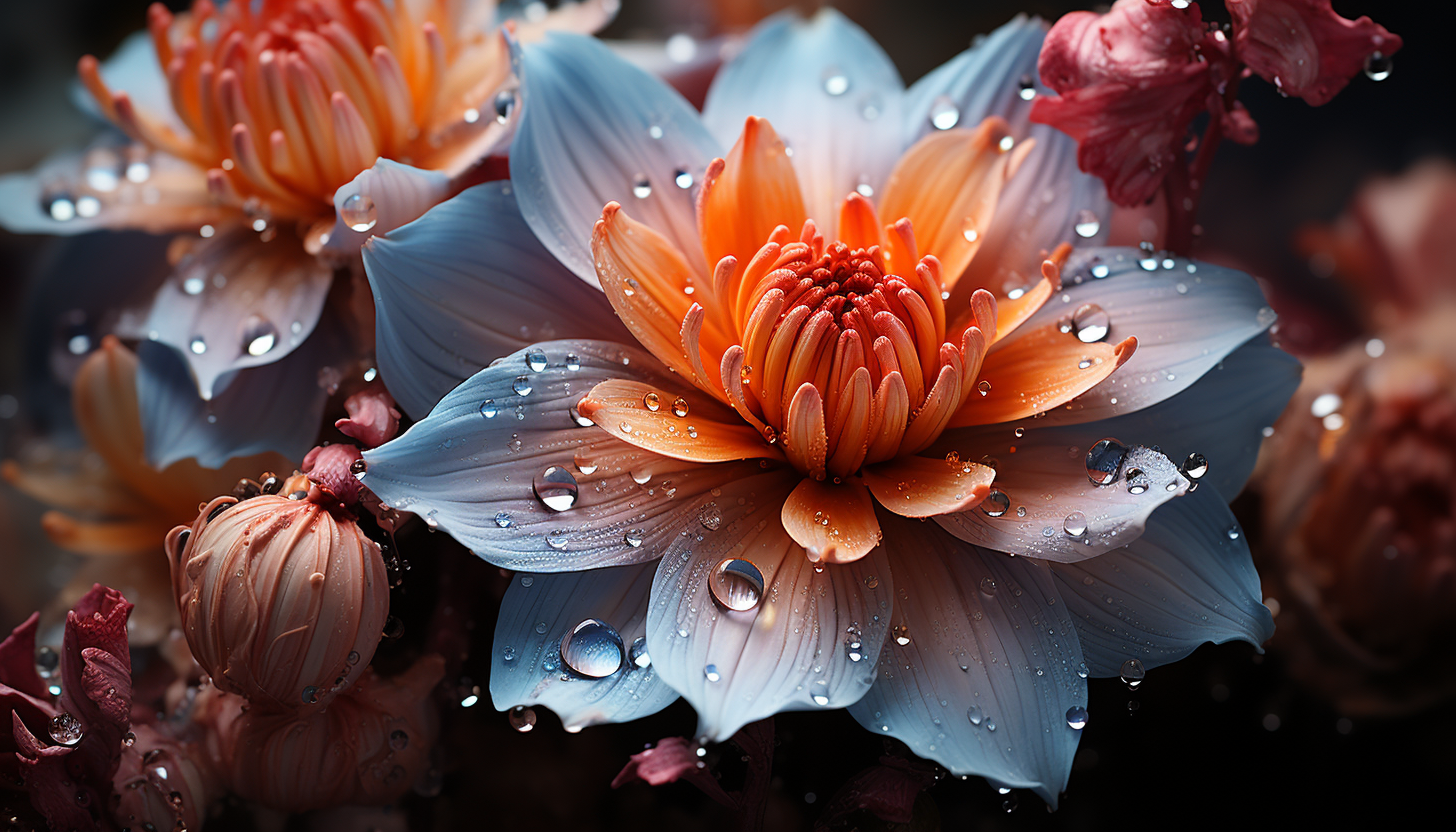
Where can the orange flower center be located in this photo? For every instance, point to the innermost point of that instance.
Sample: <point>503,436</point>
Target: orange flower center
<point>283,101</point>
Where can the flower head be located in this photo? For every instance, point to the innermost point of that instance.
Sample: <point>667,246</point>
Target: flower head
<point>282,600</point>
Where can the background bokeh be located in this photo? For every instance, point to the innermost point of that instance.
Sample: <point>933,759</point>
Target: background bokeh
<point>1221,738</point>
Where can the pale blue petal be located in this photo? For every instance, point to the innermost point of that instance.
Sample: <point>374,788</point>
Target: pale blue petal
<point>469,467</point>
<point>595,129</point>
<point>1222,416</point>
<point>811,641</point>
<point>539,610</point>
<point>465,284</point>
<point>1188,580</point>
<point>829,91</point>
<point>1054,510</point>
<point>981,668</point>
<point>277,407</point>
<point>1049,201</point>
<point>1186,315</point>
<point>380,199</point>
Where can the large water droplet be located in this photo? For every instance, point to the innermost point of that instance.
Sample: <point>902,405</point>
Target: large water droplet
<point>488,409</point>
<point>835,81</point>
<point>66,730</point>
<point>556,488</point>
<point>1075,524</point>
<point>522,718</point>
<point>1076,717</point>
<point>592,649</point>
<point>1195,466</point>
<point>1132,673</point>
<point>1104,459</point>
<point>944,114</point>
<point>680,407</point>
<point>996,504</point>
<point>641,188</point>
<point>259,335</point>
<point>1087,225</point>
<point>1378,66</point>
<point>358,212</point>
<point>652,402</point>
<point>522,385</point>
<point>711,673</point>
<point>536,360</point>
<point>736,584</point>
<point>975,714</point>
<point>197,345</point>
<point>1091,323</point>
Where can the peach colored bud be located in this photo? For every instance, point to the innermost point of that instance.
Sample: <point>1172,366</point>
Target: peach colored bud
<point>159,784</point>
<point>368,747</point>
<point>282,600</point>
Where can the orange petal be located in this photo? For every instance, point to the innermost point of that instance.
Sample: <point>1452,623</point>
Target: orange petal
<point>1036,371</point>
<point>947,185</point>
<point>754,191</point>
<point>859,224</point>
<point>917,486</point>
<point>646,416</point>
<point>805,441</point>
<point>104,538</point>
<point>836,523</point>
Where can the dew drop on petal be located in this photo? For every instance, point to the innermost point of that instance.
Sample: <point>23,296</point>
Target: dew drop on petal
<point>1132,673</point>
<point>505,102</point>
<point>488,409</point>
<point>536,360</point>
<point>638,654</point>
<point>975,714</point>
<point>66,730</point>
<point>736,584</point>
<point>683,178</point>
<point>944,114</point>
<point>1377,66</point>
<point>901,634</point>
<point>711,673</point>
<point>1104,459</point>
<point>1026,88</point>
<point>522,718</point>
<point>197,345</point>
<point>996,504</point>
<point>1195,466</point>
<point>1087,225</point>
<point>652,402</point>
<point>1090,323</point>
<point>259,335</point>
<point>836,83</point>
<point>358,212</point>
<point>983,387</point>
<point>522,385</point>
<point>641,188</point>
<point>1076,717</point>
<point>1075,524</point>
<point>680,407</point>
<point>633,537</point>
<point>556,488</point>
<point>592,649</point>
<point>988,586</point>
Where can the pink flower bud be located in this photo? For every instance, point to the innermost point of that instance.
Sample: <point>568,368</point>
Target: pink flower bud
<point>368,747</point>
<point>282,600</point>
<point>159,785</point>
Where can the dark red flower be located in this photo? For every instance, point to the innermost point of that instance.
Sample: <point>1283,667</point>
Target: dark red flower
<point>1304,48</point>
<point>1129,83</point>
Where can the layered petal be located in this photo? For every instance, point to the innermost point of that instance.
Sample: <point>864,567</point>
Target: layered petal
<point>1188,580</point>
<point>1186,316</point>
<point>744,626</point>
<point>917,486</point>
<point>508,466</point>
<point>1045,504</point>
<point>673,422</point>
<point>832,94</point>
<point>630,137</point>
<point>981,671</point>
<point>381,199</point>
<point>753,192</point>
<point>235,300</point>
<point>585,674</point>
<point>835,523</point>
<point>1304,48</point>
<point>465,284</point>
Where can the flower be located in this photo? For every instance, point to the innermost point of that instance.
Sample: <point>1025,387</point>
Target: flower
<point>274,137</point>
<point>1305,49</point>
<point>668,532</point>
<point>160,783</point>
<point>282,600</point>
<point>368,747</point>
<point>111,504</point>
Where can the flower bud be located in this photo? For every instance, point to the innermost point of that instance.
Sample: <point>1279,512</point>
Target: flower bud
<point>369,747</point>
<point>282,600</point>
<point>159,785</point>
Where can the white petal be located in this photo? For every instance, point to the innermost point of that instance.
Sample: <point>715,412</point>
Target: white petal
<point>381,199</point>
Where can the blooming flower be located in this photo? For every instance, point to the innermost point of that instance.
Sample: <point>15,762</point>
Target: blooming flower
<point>275,137</point>
<point>859,317</point>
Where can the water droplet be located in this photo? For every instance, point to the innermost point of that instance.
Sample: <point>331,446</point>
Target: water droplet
<point>573,362</point>
<point>197,345</point>
<point>988,586</point>
<point>1026,88</point>
<point>836,83</point>
<point>60,207</point>
<point>310,695</point>
<point>1195,466</point>
<point>680,407</point>
<point>259,335</point>
<point>1087,226</point>
<point>505,102</point>
<point>556,488</point>
<point>1137,481</point>
<point>1075,524</point>
<point>1132,673</point>
<point>1091,323</point>
<point>194,285</point>
<point>970,233</point>
<point>975,714</point>
<point>901,634</point>
<point>1233,532</point>
<point>1076,717</point>
<point>736,585</point>
<point>522,718</point>
<point>641,188</point>
<point>711,673</point>
<point>652,402</point>
<point>944,114</point>
<point>66,730</point>
<point>1377,66</point>
<point>996,504</point>
<point>398,740</point>
<point>522,385</point>
<point>1100,271</point>
<point>536,360</point>
<point>820,696</point>
<point>682,178</point>
<point>358,212</point>
<point>48,661</point>
<point>983,387</point>
<point>1104,459</point>
<point>1082,671</point>
<point>638,654</point>
<point>488,409</point>
<point>592,649</point>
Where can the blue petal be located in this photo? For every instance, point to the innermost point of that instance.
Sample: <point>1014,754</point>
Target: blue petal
<point>1186,315</point>
<point>811,641</point>
<point>595,129</point>
<point>1221,416</point>
<point>539,610</point>
<point>981,668</point>
<point>277,407</point>
<point>1049,198</point>
<point>469,467</point>
<point>465,284</point>
<point>830,92</point>
<point>1189,579</point>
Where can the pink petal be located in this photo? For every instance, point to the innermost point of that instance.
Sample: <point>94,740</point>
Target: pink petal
<point>1303,47</point>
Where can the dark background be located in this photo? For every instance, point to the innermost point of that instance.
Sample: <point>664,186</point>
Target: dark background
<point>1221,738</point>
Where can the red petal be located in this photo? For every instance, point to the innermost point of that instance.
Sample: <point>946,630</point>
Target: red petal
<point>1303,47</point>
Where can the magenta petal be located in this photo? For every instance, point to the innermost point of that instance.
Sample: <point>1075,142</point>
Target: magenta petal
<point>1303,47</point>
